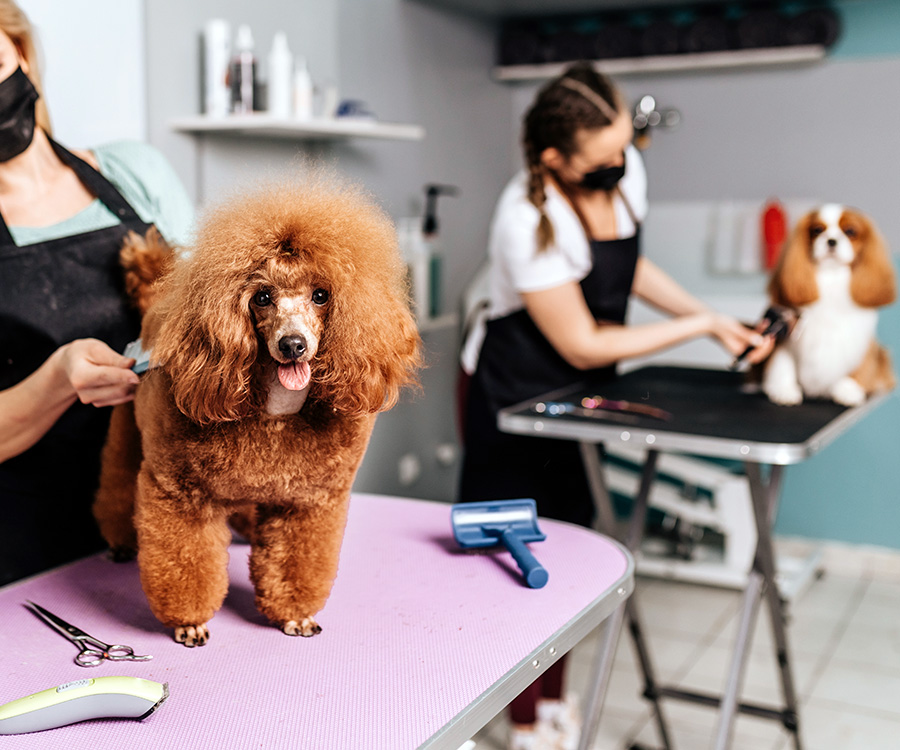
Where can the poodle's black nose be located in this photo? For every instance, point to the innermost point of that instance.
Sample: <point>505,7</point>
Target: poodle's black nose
<point>292,347</point>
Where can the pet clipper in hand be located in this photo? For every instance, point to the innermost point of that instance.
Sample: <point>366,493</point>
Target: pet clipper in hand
<point>98,698</point>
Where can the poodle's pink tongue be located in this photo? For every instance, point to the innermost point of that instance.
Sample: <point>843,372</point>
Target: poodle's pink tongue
<point>294,376</point>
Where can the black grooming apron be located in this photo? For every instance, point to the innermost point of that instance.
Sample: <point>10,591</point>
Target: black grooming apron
<point>52,293</point>
<point>517,363</point>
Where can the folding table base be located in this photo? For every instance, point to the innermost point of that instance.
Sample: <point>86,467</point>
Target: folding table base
<point>761,586</point>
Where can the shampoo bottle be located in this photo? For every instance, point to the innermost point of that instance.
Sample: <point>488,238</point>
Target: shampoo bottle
<point>281,67</point>
<point>303,91</point>
<point>243,73</point>
<point>415,254</point>
<point>216,54</point>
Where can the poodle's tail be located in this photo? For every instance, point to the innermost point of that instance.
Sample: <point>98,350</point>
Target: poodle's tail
<point>145,261</point>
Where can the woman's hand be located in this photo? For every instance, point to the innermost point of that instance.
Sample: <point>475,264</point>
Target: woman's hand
<point>96,374</point>
<point>736,337</point>
<point>86,370</point>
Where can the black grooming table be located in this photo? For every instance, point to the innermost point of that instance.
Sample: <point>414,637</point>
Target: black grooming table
<point>713,413</point>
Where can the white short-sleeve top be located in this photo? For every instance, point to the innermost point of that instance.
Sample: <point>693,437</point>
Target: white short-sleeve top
<point>516,266</point>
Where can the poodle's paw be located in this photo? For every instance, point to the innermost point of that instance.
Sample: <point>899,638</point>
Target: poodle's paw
<point>784,393</point>
<point>847,392</point>
<point>122,554</point>
<point>192,635</point>
<point>307,627</point>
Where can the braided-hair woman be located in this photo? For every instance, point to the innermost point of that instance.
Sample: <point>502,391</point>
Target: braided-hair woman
<point>565,259</point>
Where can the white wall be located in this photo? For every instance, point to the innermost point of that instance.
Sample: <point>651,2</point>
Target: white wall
<point>93,68</point>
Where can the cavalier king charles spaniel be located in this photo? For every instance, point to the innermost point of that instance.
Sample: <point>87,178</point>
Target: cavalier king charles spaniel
<point>835,272</point>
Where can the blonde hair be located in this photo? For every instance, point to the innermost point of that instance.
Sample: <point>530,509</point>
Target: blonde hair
<point>15,24</point>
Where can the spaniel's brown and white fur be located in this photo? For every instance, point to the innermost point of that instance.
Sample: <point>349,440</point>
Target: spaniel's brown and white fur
<point>835,271</point>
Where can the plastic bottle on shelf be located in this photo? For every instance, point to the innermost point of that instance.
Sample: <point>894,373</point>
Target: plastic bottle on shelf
<point>216,56</point>
<point>414,251</point>
<point>281,68</point>
<point>432,247</point>
<point>242,74</point>
<point>303,91</point>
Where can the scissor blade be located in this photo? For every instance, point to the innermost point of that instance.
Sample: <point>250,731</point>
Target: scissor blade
<point>57,623</point>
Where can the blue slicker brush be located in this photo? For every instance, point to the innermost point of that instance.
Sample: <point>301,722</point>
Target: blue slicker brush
<point>511,523</point>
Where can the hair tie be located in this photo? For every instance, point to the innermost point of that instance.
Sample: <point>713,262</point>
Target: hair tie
<point>592,96</point>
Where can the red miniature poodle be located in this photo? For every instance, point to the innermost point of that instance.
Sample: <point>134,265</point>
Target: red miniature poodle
<point>275,343</point>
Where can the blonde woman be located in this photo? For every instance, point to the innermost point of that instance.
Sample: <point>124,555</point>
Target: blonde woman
<point>63,317</point>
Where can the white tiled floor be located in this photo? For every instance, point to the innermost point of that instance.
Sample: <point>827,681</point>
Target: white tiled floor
<point>844,638</point>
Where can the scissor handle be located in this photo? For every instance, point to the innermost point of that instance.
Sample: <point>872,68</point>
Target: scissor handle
<point>90,657</point>
<point>94,655</point>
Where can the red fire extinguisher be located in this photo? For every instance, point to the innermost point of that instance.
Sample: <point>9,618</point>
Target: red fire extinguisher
<point>774,232</point>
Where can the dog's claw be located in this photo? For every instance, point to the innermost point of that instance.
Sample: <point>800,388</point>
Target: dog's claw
<point>307,627</point>
<point>192,635</point>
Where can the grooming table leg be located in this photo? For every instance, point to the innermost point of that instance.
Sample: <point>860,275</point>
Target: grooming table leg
<point>728,707</point>
<point>761,583</point>
<point>593,705</point>
<point>765,503</point>
<point>607,525</point>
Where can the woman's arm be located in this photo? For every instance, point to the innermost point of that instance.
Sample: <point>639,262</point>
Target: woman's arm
<point>655,286</point>
<point>86,370</point>
<point>564,318</point>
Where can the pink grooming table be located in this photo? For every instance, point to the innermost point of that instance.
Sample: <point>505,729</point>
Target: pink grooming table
<point>422,643</point>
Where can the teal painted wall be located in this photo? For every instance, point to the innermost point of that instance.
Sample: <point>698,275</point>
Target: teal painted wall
<point>850,492</point>
<point>871,28</point>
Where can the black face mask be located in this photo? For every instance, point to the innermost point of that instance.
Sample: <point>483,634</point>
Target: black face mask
<point>605,178</point>
<point>17,98</point>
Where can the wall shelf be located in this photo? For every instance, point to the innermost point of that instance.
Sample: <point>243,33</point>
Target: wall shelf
<point>266,126</point>
<point>673,63</point>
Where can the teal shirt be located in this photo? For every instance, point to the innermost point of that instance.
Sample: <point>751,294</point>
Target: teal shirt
<point>145,179</point>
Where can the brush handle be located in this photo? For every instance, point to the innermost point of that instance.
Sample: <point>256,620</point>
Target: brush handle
<point>535,574</point>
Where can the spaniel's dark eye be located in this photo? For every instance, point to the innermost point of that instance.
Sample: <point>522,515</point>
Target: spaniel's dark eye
<point>815,230</point>
<point>320,296</point>
<point>850,232</point>
<point>262,298</point>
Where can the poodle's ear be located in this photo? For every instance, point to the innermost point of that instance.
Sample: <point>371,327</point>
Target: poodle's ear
<point>873,283</point>
<point>207,347</point>
<point>793,283</point>
<point>370,350</point>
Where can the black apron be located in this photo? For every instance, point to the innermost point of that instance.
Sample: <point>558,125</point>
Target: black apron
<point>517,363</point>
<point>51,293</point>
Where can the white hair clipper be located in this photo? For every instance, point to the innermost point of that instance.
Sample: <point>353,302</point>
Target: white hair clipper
<point>97,698</point>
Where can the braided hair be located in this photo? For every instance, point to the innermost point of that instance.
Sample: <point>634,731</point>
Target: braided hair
<point>581,98</point>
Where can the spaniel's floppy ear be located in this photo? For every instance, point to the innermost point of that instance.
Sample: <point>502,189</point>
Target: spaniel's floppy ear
<point>873,283</point>
<point>205,341</point>
<point>793,283</point>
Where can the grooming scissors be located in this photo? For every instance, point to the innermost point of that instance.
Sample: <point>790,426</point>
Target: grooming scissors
<point>93,651</point>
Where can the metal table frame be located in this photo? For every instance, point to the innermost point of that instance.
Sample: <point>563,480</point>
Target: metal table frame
<point>765,487</point>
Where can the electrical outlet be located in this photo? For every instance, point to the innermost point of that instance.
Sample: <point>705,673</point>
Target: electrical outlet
<point>409,469</point>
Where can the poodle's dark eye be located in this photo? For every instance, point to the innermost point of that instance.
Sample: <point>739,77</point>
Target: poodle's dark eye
<point>262,298</point>
<point>320,296</point>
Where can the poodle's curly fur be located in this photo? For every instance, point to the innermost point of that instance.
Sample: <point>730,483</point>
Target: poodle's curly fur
<point>202,440</point>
